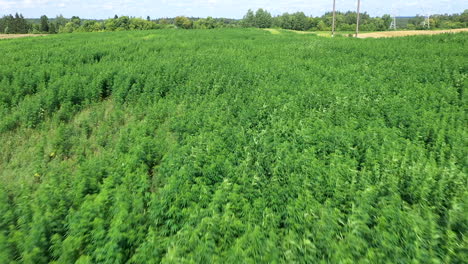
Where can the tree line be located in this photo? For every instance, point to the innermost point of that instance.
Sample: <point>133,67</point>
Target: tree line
<point>345,21</point>
<point>14,24</point>
<point>439,21</point>
<point>17,24</point>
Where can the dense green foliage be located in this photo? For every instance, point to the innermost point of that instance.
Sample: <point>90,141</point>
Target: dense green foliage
<point>233,146</point>
<point>123,23</point>
<point>436,21</point>
<point>259,19</point>
<point>345,21</point>
<point>16,24</point>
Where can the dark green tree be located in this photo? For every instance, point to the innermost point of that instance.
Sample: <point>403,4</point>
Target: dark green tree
<point>60,22</point>
<point>183,22</point>
<point>464,17</point>
<point>76,21</point>
<point>299,21</point>
<point>123,23</point>
<point>52,28</point>
<point>249,19</point>
<point>15,25</point>
<point>387,21</point>
<point>44,23</point>
<point>263,19</point>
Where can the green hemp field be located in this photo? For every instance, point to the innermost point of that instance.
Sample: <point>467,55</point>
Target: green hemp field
<point>233,146</point>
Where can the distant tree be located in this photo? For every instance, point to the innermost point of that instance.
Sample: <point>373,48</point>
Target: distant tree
<point>25,25</point>
<point>52,28</point>
<point>410,26</point>
<point>123,23</point>
<point>110,24</point>
<point>68,28</point>
<point>300,22</point>
<point>313,22</point>
<point>97,27</point>
<point>349,18</point>
<point>36,28</point>
<point>60,21</point>
<point>141,24</point>
<point>76,21</point>
<point>44,24</point>
<point>116,16</point>
<point>387,19</point>
<point>148,18</point>
<point>71,26</point>
<point>188,24</point>
<point>15,25</point>
<point>90,26</point>
<point>278,21</point>
<point>464,17</point>
<point>206,23</point>
<point>321,26</point>
<point>417,22</point>
<point>377,24</point>
<point>296,21</point>
<point>249,19</point>
<point>183,22</point>
<point>263,19</point>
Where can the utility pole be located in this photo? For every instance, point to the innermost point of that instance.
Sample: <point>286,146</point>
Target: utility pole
<point>427,22</point>
<point>334,18</point>
<point>357,20</point>
<point>393,25</point>
<point>427,17</point>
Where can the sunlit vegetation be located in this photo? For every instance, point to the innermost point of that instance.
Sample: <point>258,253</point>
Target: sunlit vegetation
<point>345,21</point>
<point>233,146</point>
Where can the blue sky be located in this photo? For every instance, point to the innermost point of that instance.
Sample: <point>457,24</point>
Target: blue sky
<point>219,8</point>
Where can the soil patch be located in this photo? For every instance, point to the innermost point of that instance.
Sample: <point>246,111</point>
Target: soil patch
<point>389,34</point>
<point>10,36</point>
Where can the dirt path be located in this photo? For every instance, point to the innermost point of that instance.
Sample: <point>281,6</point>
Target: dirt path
<point>389,34</point>
<point>10,36</point>
<point>381,34</point>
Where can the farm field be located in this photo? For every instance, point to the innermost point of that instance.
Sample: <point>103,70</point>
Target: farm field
<point>378,34</point>
<point>233,146</point>
<point>404,33</point>
<point>10,36</point>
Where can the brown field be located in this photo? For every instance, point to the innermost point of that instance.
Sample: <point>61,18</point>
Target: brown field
<point>381,34</point>
<point>389,34</point>
<point>10,36</point>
